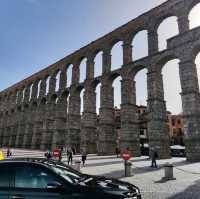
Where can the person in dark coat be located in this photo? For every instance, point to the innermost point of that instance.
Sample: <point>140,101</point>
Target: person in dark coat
<point>70,155</point>
<point>84,156</point>
<point>154,156</point>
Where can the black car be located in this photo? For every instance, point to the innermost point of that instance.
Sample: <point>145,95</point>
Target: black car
<point>40,179</point>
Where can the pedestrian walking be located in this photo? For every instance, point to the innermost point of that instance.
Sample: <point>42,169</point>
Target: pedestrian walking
<point>154,156</point>
<point>117,151</point>
<point>84,156</point>
<point>8,153</point>
<point>60,153</point>
<point>70,156</point>
<point>48,155</point>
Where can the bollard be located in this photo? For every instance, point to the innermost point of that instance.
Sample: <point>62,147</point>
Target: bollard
<point>78,165</point>
<point>168,172</point>
<point>128,168</point>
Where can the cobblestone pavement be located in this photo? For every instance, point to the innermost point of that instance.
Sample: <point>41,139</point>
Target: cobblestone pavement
<point>149,180</point>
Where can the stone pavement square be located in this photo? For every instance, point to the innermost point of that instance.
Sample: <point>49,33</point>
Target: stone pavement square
<point>186,185</point>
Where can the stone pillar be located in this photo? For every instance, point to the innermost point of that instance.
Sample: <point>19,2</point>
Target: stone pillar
<point>157,129</point>
<point>52,85</point>
<point>34,91</point>
<point>27,94</point>
<point>1,127</point>
<point>127,51</point>
<point>107,60</point>
<point>42,89</point>
<point>152,41</point>
<point>60,132</point>
<point>183,23</point>
<point>74,119</point>
<point>89,120</point>
<point>107,135</point>
<point>30,113</point>
<point>21,127</point>
<point>191,108</point>
<point>38,126</point>
<point>63,80</point>
<point>13,129</point>
<point>129,136</point>
<point>76,73</point>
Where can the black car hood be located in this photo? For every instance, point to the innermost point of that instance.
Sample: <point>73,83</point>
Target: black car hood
<point>108,184</point>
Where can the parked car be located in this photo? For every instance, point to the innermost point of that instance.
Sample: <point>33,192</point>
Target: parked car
<point>40,179</point>
<point>177,151</point>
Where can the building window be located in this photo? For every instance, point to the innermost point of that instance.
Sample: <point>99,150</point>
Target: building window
<point>173,122</point>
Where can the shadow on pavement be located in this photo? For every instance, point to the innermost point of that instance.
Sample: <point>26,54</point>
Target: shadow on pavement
<point>192,192</point>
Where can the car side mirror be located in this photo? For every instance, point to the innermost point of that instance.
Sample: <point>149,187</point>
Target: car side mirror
<point>54,185</point>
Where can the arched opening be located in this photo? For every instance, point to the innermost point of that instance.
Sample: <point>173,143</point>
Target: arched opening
<point>197,62</point>
<point>117,56</point>
<point>39,88</point>
<point>172,89</point>
<point>82,68</point>
<point>82,101</point>
<point>58,81</point>
<point>141,87</point>
<point>68,103</point>
<point>172,86</point>
<point>31,91</point>
<point>163,31</point>
<point>47,84</point>
<point>98,97</point>
<point>117,92</point>
<point>23,94</point>
<point>69,75</point>
<point>194,16</point>
<point>98,64</point>
<point>140,45</point>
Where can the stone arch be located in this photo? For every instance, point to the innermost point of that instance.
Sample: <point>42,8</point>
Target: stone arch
<point>117,55</point>
<point>169,68</point>
<point>47,79</point>
<point>31,91</point>
<point>98,63</point>
<point>96,86</point>
<point>82,69</point>
<point>194,15</point>
<point>115,80</point>
<point>39,88</point>
<point>138,50</point>
<point>169,22</point>
<point>140,81</point>
<point>69,74</point>
<point>57,87</point>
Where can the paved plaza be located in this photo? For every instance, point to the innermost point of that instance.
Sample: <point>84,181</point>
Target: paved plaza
<point>149,180</point>
<point>186,185</point>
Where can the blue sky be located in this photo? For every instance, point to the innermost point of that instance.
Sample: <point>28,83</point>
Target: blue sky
<point>36,33</point>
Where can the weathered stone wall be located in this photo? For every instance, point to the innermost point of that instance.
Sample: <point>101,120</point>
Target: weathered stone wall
<point>34,114</point>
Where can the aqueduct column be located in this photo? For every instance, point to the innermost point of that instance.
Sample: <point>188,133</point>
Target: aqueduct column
<point>49,122</point>
<point>107,141</point>
<point>88,123</point>
<point>39,117</point>
<point>28,128</point>
<point>21,121</point>
<point>129,136</point>
<point>157,129</point>
<point>60,133</point>
<point>152,41</point>
<point>191,107</point>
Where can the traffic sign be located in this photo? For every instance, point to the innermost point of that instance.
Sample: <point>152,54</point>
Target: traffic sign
<point>126,155</point>
<point>56,153</point>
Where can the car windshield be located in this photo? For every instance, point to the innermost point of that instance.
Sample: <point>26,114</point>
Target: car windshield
<point>68,174</point>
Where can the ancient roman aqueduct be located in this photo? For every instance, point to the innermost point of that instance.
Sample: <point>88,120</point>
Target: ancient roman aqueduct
<point>42,121</point>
